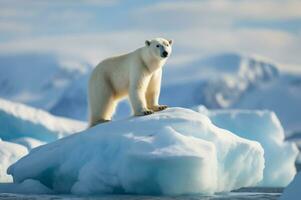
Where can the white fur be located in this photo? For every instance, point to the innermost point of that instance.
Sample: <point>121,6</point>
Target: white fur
<point>136,74</point>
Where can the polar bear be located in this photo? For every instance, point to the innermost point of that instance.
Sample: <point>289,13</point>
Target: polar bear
<point>136,74</point>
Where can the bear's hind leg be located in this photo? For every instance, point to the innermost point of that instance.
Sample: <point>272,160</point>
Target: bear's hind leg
<point>102,104</point>
<point>102,111</point>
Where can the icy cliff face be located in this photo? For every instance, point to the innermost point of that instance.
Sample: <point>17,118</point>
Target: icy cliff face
<point>177,151</point>
<point>264,127</point>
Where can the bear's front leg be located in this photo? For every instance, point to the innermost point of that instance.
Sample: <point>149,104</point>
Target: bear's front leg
<point>153,92</point>
<point>137,99</point>
<point>137,89</point>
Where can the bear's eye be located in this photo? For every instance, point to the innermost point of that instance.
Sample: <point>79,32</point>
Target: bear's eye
<point>157,46</point>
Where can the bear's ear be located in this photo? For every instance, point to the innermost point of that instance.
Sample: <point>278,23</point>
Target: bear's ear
<point>170,42</point>
<point>147,42</point>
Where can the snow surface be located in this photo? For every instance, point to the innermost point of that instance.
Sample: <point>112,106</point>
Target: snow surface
<point>293,191</point>
<point>264,127</point>
<point>18,120</point>
<point>9,153</point>
<point>176,151</point>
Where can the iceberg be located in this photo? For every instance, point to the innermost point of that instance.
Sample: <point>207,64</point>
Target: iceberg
<point>18,120</point>
<point>264,127</point>
<point>26,187</point>
<point>23,128</point>
<point>176,151</point>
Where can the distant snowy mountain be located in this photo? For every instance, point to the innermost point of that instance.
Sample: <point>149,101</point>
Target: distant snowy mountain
<point>220,81</point>
<point>230,86</point>
<point>235,81</point>
<point>36,79</point>
<point>73,102</point>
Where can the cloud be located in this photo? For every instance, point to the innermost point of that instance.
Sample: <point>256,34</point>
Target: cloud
<point>255,9</point>
<point>189,44</point>
<point>61,3</point>
<point>44,17</point>
<point>14,27</point>
<point>88,47</point>
<point>205,27</point>
<point>280,46</point>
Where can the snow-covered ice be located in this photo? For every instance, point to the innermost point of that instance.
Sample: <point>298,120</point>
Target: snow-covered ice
<point>18,120</point>
<point>264,127</point>
<point>23,128</point>
<point>176,151</point>
<point>9,153</point>
<point>292,191</point>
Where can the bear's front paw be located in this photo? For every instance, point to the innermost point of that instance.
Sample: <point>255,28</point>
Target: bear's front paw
<point>148,112</point>
<point>159,107</point>
<point>144,112</point>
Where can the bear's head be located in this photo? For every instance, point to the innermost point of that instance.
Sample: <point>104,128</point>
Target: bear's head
<point>159,47</point>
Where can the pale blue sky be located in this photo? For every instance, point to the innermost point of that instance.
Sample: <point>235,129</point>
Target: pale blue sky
<point>91,30</point>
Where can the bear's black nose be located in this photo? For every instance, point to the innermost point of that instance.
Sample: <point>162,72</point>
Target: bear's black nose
<point>164,54</point>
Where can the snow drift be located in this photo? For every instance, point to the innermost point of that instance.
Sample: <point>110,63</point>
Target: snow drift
<point>176,151</point>
<point>18,120</point>
<point>264,127</point>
